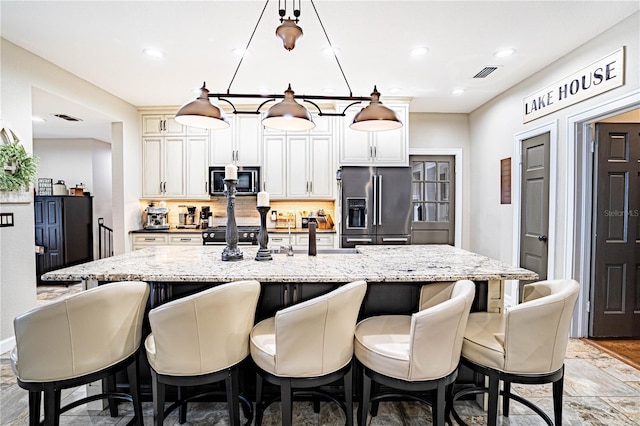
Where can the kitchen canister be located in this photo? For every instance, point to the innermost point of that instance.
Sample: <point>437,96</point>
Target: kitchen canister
<point>60,188</point>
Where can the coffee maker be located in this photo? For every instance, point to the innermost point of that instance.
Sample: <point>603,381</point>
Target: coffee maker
<point>187,219</point>
<point>205,217</point>
<point>156,217</point>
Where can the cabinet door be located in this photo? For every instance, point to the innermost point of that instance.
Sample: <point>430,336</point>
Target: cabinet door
<point>274,170</point>
<point>152,158</point>
<point>172,127</point>
<point>248,137</point>
<point>197,167</point>
<point>298,183</point>
<point>391,147</point>
<point>321,171</point>
<point>152,125</point>
<point>222,148</point>
<point>174,163</point>
<point>354,145</point>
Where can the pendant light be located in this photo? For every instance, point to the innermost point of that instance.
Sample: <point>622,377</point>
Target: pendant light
<point>202,113</point>
<point>289,32</point>
<point>288,115</point>
<point>376,117</point>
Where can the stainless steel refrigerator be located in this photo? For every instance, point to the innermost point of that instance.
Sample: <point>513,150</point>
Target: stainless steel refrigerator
<point>376,205</point>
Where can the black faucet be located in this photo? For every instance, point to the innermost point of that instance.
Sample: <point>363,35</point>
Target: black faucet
<point>312,238</point>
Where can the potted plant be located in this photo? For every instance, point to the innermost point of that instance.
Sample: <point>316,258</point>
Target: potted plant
<point>18,167</point>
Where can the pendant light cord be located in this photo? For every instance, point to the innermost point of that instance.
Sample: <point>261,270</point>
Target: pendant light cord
<point>331,46</point>
<point>251,38</point>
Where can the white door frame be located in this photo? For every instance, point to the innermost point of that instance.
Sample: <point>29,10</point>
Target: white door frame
<point>457,154</point>
<point>580,199</point>
<point>516,200</point>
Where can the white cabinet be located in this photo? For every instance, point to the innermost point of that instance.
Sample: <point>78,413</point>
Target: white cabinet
<point>386,148</point>
<point>174,159</point>
<point>239,143</point>
<point>300,241</point>
<point>300,165</point>
<point>151,239</point>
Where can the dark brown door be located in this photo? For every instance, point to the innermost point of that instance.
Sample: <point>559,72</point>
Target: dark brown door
<point>534,206</point>
<point>433,199</point>
<point>615,289</point>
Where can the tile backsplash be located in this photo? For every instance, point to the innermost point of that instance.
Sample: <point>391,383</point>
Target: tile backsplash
<point>245,209</point>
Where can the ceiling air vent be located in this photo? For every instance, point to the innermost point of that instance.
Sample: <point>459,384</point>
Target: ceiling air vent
<point>67,117</point>
<point>483,73</point>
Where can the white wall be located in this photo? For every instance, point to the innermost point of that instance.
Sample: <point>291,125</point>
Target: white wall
<point>21,71</point>
<point>494,126</point>
<point>86,161</point>
<point>446,131</point>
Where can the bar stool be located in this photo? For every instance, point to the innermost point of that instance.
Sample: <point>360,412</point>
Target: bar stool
<point>86,337</point>
<point>201,339</point>
<point>306,346</point>
<point>416,353</point>
<point>526,344</point>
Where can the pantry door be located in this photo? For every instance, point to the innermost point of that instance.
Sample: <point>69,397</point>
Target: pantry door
<point>615,280</point>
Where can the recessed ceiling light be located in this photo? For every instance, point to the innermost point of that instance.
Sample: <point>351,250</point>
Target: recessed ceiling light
<point>264,90</point>
<point>419,51</point>
<point>328,90</point>
<point>457,92</point>
<point>395,90</point>
<point>504,53</point>
<point>331,50</point>
<point>37,119</point>
<point>153,53</point>
<point>238,51</point>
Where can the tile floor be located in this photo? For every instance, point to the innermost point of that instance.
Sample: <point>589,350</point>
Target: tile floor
<point>598,390</point>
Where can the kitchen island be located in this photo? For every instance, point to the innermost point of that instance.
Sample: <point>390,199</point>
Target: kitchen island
<point>396,272</point>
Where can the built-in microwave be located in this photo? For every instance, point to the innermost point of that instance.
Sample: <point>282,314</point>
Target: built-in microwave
<point>248,181</point>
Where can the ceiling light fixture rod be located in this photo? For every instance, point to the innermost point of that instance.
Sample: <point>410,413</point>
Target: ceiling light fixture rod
<point>331,46</point>
<point>247,48</point>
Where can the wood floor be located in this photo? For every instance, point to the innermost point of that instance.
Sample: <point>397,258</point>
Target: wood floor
<point>627,351</point>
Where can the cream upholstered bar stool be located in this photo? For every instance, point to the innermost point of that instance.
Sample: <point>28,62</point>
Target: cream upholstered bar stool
<point>201,339</point>
<point>526,344</point>
<point>308,345</point>
<point>86,337</point>
<point>415,353</point>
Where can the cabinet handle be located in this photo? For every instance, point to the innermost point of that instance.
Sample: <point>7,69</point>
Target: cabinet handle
<point>375,152</point>
<point>277,239</point>
<point>164,186</point>
<point>311,186</point>
<point>370,152</point>
<point>286,295</point>
<point>185,239</point>
<point>149,239</point>
<point>160,187</point>
<point>295,293</point>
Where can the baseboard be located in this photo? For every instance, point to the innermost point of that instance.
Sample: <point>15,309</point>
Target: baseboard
<point>7,344</point>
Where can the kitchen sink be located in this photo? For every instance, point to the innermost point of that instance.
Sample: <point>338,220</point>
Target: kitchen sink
<point>318,251</point>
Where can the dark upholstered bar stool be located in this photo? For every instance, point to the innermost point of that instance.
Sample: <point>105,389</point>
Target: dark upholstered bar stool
<point>417,353</point>
<point>201,339</point>
<point>306,346</point>
<point>86,337</point>
<point>526,344</point>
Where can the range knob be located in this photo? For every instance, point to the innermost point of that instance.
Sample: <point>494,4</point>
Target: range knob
<point>205,235</point>
<point>244,235</point>
<point>251,235</point>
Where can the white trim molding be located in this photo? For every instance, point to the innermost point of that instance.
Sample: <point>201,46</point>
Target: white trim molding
<point>7,344</point>
<point>577,250</point>
<point>457,154</point>
<point>516,196</point>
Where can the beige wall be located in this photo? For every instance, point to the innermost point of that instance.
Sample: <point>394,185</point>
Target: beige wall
<point>21,71</point>
<point>494,126</point>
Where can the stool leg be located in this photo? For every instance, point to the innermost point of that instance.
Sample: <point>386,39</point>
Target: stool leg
<point>259,407</point>
<point>363,408</point>
<point>286,402</point>
<point>110,383</point>
<point>437,405</point>
<point>557,400</point>
<point>506,395</point>
<point>51,405</point>
<point>157,390</point>
<point>375,387</point>
<point>492,418</point>
<point>35,397</point>
<point>182,409</point>
<point>348,395</point>
<point>233,399</point>
<point>133,372</point>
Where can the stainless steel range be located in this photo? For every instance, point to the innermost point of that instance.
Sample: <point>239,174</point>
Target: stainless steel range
<point>247,235</point>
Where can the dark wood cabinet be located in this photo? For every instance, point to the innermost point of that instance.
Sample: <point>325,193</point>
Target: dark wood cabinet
<point>63,231</point>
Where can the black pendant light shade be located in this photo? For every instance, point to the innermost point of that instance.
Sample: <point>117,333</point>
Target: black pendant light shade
<point>376,117</point>
<point>288,115</point>
<point>202,113</point>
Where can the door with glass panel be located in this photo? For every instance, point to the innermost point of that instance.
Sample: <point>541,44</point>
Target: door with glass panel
<point>433,199</point>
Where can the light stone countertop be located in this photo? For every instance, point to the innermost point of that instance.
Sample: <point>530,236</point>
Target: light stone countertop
<point>413,263</point>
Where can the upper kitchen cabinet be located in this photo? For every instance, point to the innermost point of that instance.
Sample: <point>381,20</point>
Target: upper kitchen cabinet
<point>239,144</point>
<point>310,172</point>
<point>166,125</point>
<point>386,148</point>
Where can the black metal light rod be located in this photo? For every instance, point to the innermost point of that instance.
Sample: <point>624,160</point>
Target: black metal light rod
<point>281,96</point>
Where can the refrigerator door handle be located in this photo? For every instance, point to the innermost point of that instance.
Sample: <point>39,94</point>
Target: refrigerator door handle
<point>395,240</point>
<point>359,240</point>
<point>375,200</point>
<point>380,200</point>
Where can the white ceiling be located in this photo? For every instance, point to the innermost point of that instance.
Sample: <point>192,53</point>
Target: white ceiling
<point>102,42</point>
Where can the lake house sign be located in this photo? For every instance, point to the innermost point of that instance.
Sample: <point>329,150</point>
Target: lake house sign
<point>599,77</point>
